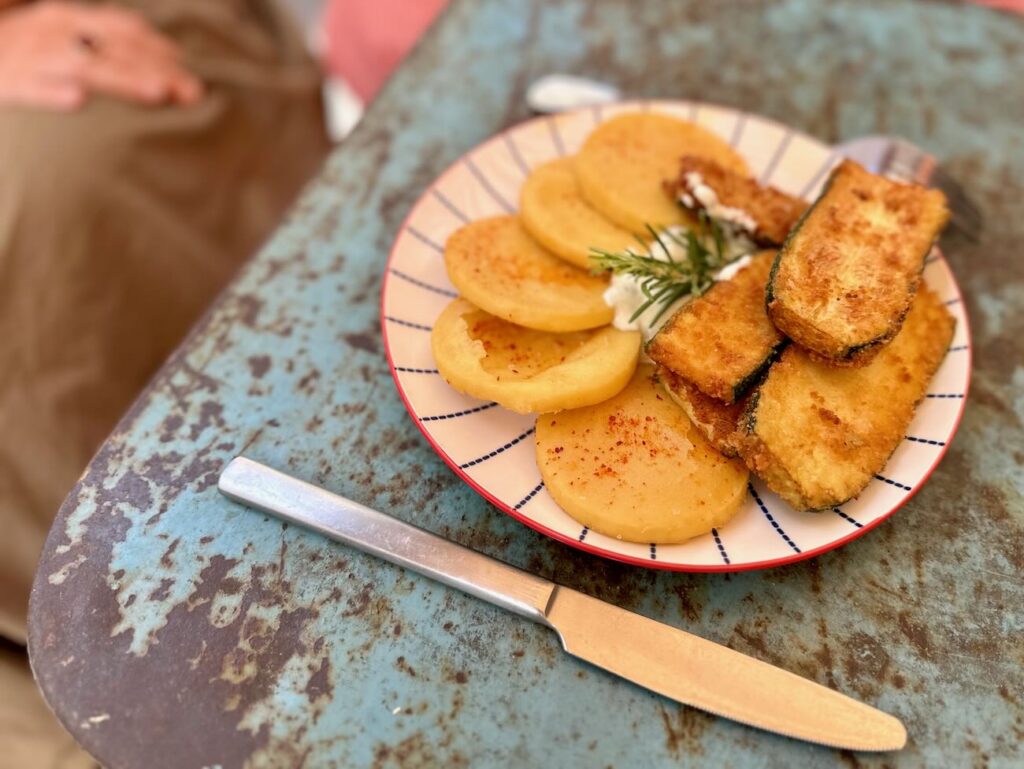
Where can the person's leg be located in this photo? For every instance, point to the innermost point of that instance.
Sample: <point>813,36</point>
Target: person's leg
<point>118,225</point>
<point>61,291</point>
<point>31,738</point>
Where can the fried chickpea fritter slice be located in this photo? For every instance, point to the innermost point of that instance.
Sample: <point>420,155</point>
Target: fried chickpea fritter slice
<point>554,212</point>
<point>722,341</point>
<point>636,469</point>
<point>817,434</point>
<point>846,276</point>
<point>772,212</point>
<point>497,266</point>
<point>527,370</point>
<point>718,422</point>
<point>625,161</point>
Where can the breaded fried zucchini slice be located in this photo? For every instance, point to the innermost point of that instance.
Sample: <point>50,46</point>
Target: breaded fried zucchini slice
<point>846,276</point>
<point>722,341</point>
<point>554,212</point>
<point>636,469</point>
<point>718,422</point>
<point>623,165</point>
<point>817,434</point>
<point>765,213</point>
<point>526,370</point>
<point>497,266</point>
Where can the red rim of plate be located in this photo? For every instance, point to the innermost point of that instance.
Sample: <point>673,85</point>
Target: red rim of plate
<point>610,554</point>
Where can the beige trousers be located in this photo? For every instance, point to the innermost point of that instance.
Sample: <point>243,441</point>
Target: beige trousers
<point>30,737</point>
<point>118,225</point>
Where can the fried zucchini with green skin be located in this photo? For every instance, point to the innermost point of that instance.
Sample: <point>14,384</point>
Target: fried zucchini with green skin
<point>718,422</point>
<point>772,212</point>
<point>722,341</point>
<point>846,276</point>
<point>817,434</point>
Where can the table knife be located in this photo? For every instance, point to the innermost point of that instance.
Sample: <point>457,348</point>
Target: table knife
<point>664,659</point>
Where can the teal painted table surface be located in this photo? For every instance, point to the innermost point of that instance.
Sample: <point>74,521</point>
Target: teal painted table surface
<point>173,628</point>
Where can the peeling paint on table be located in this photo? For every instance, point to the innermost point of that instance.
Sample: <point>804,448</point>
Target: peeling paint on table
<point>173,628</point>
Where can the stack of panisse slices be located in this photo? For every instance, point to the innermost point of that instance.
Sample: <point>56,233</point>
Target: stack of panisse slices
<point>805,367</point>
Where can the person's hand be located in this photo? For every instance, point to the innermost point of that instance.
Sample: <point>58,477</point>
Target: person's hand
<point>55,54</point>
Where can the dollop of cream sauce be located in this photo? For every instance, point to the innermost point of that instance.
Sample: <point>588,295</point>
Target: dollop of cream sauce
<point>709,201</point>
<point>625,296</point>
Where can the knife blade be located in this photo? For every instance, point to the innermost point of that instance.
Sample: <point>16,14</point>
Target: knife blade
<point>664,659</point>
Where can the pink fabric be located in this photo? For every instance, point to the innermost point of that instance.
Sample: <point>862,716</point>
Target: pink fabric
<point>366,39</point>
<point>1014,6</point>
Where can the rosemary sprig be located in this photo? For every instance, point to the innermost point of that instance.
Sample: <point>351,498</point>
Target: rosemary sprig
<point>686,271</point>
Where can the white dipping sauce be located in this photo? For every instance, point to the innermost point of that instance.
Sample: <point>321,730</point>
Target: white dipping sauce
<point>708,199</point>
<point>625,296</point>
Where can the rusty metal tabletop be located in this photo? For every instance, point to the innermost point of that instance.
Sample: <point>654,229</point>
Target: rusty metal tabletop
<point>172,628</point>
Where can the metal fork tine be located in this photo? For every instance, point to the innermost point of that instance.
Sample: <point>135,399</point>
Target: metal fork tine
<point>971,229</point>
<point>889,155</point>
<point>958,198</point>
<point>959,209</point>
<point>948,184</point>
<point>965,215</point>
<point>967,221</point>
<point>970,233</point>
<point>973,220</point>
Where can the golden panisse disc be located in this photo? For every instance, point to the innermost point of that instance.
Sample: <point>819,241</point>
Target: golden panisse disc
<point>501,269</point>
<point>635,468</point>
<point>625,161</point>
<point>554,212</point>
<point>529,371</point>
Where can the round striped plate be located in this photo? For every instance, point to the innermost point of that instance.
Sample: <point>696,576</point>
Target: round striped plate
<point>492,449</point>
